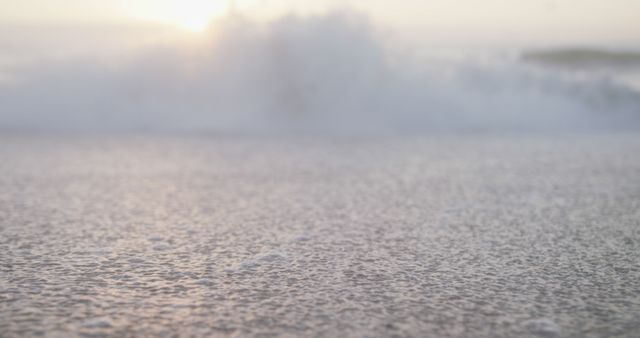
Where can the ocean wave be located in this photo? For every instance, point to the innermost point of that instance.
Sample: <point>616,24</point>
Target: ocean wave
<point>323,73</point>
<point>584,58</point>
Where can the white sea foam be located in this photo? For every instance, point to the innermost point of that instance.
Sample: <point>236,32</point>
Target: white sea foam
<point>542,326</point>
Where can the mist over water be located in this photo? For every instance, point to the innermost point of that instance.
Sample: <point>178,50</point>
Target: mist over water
<point>335,73</point>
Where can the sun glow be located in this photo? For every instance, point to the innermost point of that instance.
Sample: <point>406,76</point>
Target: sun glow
<point>191,15</point>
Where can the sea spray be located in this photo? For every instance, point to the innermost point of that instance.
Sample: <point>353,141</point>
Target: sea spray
<point>332,73</point>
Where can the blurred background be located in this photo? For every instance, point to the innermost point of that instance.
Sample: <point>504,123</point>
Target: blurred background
<point>322,66</point>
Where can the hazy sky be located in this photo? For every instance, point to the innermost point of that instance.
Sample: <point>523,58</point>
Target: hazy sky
<point>583,21</point>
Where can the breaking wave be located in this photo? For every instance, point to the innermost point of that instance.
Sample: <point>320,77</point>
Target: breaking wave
<point>328,73</point>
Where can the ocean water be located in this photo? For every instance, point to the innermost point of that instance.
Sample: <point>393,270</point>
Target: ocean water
<point>315,176</point>
<point>239,236</point>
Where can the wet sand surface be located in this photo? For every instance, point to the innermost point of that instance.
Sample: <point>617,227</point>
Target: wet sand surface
<point>443,236</point>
